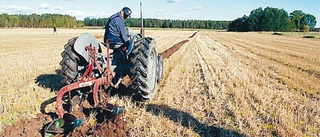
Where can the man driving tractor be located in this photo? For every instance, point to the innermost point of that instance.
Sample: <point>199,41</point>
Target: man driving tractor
<point>132,67</point>
<point>115,28</point>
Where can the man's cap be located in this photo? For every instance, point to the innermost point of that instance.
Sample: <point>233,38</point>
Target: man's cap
<point>127,11</point>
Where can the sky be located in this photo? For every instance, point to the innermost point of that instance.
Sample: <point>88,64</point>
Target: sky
<point>161,9</point>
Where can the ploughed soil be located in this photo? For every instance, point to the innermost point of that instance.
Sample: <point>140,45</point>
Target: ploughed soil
<point>100,124</point>
<point>167,53</point>
<point>95,122</point>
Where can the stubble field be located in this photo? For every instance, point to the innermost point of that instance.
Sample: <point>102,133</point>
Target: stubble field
<point>216,84</point>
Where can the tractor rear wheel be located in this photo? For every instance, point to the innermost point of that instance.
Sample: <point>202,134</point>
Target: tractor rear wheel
<point>75,57</point>
<point>69,65</point>
<point>143,72</point>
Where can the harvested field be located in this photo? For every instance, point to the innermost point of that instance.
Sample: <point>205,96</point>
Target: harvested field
<point>214,84</point>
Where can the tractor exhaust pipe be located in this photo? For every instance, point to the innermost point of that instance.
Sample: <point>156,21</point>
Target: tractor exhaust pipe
<point>141,30</point>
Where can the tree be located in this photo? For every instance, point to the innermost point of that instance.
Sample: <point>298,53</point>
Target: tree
<point>282,21</point>
<point>296,17</point>
<point>254,20</point>
<point>269,19</point>
<point>306,28</point>
<point>4,20</point>
<point>308,20</point>
<point>238,24</point>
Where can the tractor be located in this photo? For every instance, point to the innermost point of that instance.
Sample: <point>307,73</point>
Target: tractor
<point>88,73</point>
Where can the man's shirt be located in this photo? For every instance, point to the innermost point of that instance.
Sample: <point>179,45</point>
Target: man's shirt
<point>115,29</point>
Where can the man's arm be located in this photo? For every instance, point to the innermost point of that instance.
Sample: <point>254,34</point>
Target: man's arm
<point>121,28</point>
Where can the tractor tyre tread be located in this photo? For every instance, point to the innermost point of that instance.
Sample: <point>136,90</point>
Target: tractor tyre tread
<point>69,62</point>
<point>143,84</point>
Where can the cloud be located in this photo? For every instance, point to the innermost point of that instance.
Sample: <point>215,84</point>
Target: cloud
<point>44,6</point>
<point>15,9</point>
<point>59,8</point>
<point>80,15</point>
<point>165,14</point>
<point>174,1</point>
<point>197,8</point>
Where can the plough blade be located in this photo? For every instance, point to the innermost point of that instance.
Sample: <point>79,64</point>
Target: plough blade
<point>62,125</point>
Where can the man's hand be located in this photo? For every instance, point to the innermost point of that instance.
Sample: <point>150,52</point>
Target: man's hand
<point>126,44</point>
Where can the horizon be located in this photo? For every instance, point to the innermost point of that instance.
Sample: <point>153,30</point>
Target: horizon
<point>163,9</point>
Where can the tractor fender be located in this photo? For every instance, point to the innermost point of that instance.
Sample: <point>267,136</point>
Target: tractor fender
<point>132,43</point>
<point>130,47</point>
<point>86,39</point>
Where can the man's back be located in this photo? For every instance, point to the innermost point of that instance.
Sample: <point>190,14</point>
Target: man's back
<point>115,29</point>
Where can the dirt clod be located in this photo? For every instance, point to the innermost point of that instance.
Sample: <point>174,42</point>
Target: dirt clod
<point>26,127</point>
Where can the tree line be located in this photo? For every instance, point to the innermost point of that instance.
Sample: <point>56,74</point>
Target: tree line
<point>67,21</point>
<point>273,19</point>
<point>163,23</point>
<point>268,19</point>
<point>38,21</point>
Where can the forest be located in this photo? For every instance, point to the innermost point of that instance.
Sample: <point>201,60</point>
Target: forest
<point>38,21</point>
<point>274,19</point>
<point>163,23</point>
<point>67,21</point>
